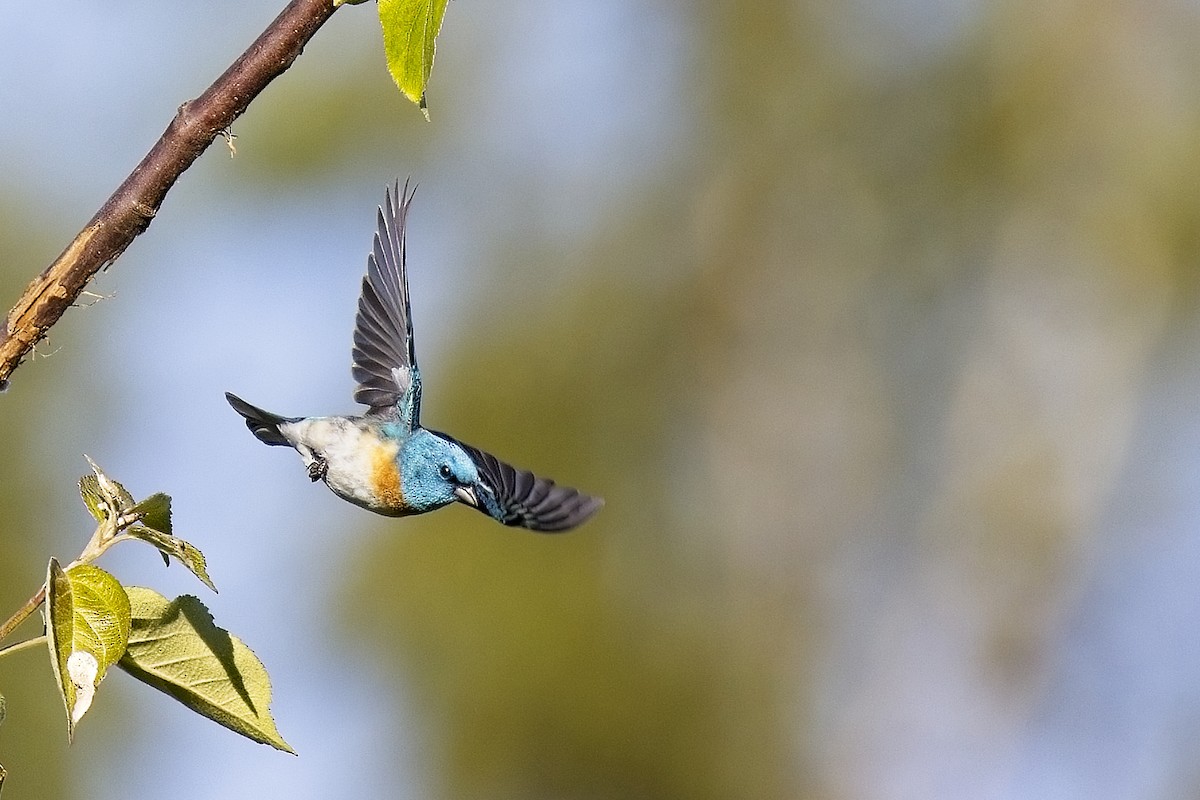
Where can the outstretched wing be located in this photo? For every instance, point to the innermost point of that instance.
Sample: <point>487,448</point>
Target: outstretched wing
<point>521,498</point>
<point>384,364</point>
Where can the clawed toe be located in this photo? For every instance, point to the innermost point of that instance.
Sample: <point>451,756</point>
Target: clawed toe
<point>317,469</point>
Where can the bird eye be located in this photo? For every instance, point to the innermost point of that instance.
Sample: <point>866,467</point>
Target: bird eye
<point>445,470</point>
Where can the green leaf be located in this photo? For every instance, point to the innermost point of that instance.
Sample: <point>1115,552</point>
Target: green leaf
<point>188,555</point>
<point>410,29</point>
<point>60,624</point>
<point>178,649</point>
<point>87,628</point>
<point>104,497</point>
<point>93,498</point>
<point>102,614</point>
<point>155,512</point>
<point>120,498</point>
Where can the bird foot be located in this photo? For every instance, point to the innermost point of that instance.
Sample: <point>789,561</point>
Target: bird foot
<point>317,469</point>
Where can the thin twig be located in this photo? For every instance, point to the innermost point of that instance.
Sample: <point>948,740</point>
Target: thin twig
<point>12,648</point>
<point>131,208</point>
<point>23,613</point>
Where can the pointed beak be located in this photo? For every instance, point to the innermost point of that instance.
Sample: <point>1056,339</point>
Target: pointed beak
<point>466,494</point>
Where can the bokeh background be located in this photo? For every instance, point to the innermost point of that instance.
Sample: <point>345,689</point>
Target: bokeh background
<point>875,323</point>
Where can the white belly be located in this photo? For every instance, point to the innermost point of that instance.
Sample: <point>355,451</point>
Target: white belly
<point>352,453</point>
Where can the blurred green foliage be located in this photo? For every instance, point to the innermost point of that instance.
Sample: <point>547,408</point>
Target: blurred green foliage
<point>780,366</point>
<point>33,742</point>
<point>560,666</point>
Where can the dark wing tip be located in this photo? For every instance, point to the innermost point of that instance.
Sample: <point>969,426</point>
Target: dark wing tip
<point>383,361</point>
<point>527,501</point>
<point>575,509</point>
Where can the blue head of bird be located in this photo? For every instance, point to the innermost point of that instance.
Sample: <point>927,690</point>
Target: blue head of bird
<point>435,472</point>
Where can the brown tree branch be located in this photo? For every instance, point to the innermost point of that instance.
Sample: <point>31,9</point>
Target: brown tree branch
<point>133,205</point>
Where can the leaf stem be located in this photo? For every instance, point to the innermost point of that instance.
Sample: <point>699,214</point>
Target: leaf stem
<point>106,535</point>
<point>23,613</point>
<point>12,648</point>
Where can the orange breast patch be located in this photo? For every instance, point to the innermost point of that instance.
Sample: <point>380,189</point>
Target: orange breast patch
<point>385,477</point>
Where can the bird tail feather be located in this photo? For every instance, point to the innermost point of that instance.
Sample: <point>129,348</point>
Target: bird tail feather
<point>263,424</point>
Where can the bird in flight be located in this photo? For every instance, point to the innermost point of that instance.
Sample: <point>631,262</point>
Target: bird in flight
<point>384,460</point>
